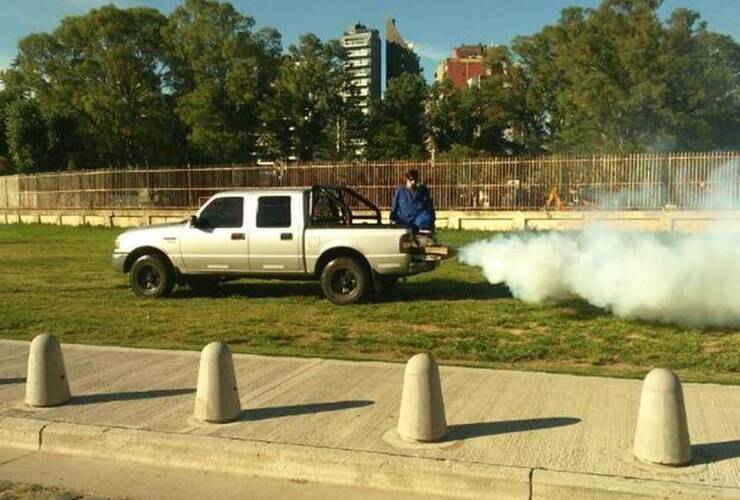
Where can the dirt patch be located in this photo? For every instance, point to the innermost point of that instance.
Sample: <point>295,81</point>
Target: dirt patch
<point>426,328</point>
<point>712,347</point>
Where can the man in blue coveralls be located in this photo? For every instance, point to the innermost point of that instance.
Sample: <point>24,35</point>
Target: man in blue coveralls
<point>412,205</point>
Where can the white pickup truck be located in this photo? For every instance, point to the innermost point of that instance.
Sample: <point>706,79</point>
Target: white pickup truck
<point>331,234</point>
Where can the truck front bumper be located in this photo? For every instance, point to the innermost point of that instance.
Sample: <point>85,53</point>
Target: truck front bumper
<point>117,261</point>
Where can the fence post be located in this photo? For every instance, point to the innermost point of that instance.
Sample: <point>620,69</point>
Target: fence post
<point>190,188</point>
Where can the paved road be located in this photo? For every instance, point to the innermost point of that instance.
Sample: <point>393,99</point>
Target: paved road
<point>546,429</point>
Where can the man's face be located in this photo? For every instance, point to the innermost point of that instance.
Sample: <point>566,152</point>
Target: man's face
<point>411,184</point>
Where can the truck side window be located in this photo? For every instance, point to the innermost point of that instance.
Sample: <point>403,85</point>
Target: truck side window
<point>223,212</point>
<point>273,211</point>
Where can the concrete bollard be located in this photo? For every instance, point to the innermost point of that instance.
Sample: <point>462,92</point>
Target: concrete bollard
<point>662,434</point>
<point>217,396</point>
<point>422,414</point>
<point>46,381</point>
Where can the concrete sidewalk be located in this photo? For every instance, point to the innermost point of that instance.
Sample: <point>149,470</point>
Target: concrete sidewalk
<point>514,434</point>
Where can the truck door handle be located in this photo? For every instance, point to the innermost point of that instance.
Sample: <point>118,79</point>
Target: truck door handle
<point>286,236</point>
<point>237,236</point>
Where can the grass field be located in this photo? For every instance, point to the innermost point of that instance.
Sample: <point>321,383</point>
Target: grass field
<point>58,280</point>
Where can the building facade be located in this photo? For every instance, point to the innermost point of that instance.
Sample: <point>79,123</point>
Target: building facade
<point>465,67</point>
<point>362,61</point>
<point>400,57</point>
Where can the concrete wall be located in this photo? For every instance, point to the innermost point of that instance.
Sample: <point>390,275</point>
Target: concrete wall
<point>685,221</point>
<point>9,191</point>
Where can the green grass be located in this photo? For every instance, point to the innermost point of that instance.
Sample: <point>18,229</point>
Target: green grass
<point>58,280</point>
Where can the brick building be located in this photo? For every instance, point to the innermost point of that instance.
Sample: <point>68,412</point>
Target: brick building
<point>464,68</point>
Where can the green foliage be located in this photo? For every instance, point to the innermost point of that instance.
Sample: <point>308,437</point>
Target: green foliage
<point>221,70</point>
<point>458,152</point>
<point>303,115</point>
<point>103,70</point>
<point>616,79</point>
<point>397,123</point>
<point>27,134</point>
<point>5,100</point>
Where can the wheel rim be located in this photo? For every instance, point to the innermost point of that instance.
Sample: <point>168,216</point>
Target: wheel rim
<point>148,278</point>
<point>344,282</point>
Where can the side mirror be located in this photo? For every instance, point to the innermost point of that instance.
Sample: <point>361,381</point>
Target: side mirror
<point>193,221</point>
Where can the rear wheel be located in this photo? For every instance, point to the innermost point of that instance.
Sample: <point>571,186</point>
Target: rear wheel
<point>344,281</point>
<point>151,276</point>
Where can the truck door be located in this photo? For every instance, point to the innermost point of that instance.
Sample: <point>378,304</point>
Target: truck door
<point>220,242</point>
<point>276,240</point>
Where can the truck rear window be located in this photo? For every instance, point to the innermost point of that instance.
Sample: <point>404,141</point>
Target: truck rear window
<point>273,211</point>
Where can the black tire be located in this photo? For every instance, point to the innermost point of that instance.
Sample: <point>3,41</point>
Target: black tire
<point>203,283</point>
<point>151,276</point>
<point>388,283</point>
<point>345,281</point>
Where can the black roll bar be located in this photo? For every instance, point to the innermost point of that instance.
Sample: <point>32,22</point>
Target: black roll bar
<point>335,194</point>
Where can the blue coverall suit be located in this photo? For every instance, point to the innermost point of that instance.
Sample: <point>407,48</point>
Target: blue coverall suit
<point>414,209</point>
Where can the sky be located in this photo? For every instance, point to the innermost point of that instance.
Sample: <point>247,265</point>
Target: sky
<point>433,26</point>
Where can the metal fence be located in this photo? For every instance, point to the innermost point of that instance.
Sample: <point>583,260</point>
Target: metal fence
<point>641,181</point>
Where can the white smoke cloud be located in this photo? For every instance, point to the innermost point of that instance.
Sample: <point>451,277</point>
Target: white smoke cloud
<point>692,280</point>
<point>689,279</point>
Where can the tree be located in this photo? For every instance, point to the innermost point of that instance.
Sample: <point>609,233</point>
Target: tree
<point>443,115</point>
<point>303,115</point>
<point>617,79</point>
<point>27,136</point>
<point>702,75</point>
<point>5,101</point>
<point>221,70</point>
<point>104,71</point>
<point>397,123</point>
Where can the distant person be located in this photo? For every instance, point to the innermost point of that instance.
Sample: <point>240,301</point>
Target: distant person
<point>553,199</point>
<point>412,204</point>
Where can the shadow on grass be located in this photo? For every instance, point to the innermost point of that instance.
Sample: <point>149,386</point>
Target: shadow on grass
<point>479,429</point>
<point>128,396</point>
<point>12,380</point>
<point>580,310</point>
<point>446,289</point>
<point>716,452</point>
<point>435,289</point>
<point>287,411</point>
<point>257,290</point>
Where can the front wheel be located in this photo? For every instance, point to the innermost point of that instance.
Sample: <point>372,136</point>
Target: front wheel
<point>151,277</point>
<point>344,281</point>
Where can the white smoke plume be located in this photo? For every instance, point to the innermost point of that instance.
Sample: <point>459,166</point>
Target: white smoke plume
<point>688,279</point>
<point>692,280</point>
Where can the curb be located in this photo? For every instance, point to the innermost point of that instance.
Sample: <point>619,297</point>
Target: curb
<point>285,461</point>
<point>582,486</point>
<point>397,472</point>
